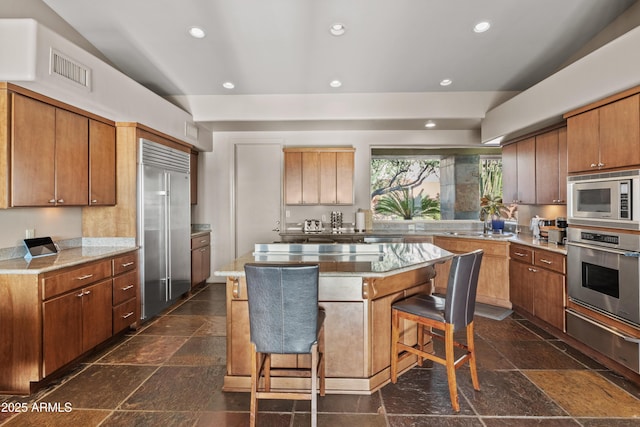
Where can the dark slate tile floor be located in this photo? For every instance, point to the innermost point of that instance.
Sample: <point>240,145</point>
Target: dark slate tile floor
<point>170,373</point>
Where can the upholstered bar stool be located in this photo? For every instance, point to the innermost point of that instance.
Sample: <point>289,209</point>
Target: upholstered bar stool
<point>284,318</point>
<point>449,314</point>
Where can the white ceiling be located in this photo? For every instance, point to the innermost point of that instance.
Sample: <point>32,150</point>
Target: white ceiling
<point>273,47</point>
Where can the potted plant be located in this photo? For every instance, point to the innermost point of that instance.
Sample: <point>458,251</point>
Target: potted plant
<point>492,209</point>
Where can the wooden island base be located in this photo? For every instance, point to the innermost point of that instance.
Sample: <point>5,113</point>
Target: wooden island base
<point>357,331</point>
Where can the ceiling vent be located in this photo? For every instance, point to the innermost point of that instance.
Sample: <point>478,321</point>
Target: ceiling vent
<point>73,71</point>
<point>190,130</point>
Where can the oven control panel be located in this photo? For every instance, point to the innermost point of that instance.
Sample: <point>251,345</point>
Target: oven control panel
<point>600,238</point>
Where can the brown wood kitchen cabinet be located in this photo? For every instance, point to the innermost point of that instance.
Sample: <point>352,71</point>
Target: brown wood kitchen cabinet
<point>102,164</point>
<point>54,154</point>
<point>518,168</point>
<point>53,318</point>
<point>318,176</point>
<point>605,134</point>
<point>200,258</point>
<point>537,283</point>
<point>493,281</point>
<point>551,167</point>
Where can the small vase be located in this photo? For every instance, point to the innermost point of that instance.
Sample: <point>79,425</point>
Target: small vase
<point>497,224</point>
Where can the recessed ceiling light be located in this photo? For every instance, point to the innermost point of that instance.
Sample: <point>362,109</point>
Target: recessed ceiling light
<point>481,27</point>
<point>446,82</point>
<point>337,29</point>
<point>430,124</point>
<point>197,32</point>
<point>335,83</point>
<point>228,85</point>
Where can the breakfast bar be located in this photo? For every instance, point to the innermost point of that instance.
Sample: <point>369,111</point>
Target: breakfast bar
<point>358,283</point>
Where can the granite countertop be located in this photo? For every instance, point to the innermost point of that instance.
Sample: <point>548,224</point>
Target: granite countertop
<point>64,258</point>
<point>393,258</point>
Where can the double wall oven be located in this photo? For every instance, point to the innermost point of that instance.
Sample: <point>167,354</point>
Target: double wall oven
<point>603,262</point>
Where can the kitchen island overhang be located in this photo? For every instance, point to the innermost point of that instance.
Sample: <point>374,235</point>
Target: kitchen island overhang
<point>358,283</point>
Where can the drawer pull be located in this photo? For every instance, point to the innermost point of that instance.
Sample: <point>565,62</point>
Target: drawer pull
<point>546,261</point>
<point>203,241</point>
<point>126,288</point>
<point>533,270</point>
<point>127,264</point>
<point>80,294</point>
<point>85,277</point>
<point>127,315</point>
<point>203,250</point>
<point>87,292</point>
<point>519,254</point>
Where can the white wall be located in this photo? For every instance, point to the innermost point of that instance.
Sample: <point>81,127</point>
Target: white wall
<point>215,195</point>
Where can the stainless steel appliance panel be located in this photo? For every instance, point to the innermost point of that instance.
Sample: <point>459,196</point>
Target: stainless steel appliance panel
<point>179,210</point>
<point>608,341</point>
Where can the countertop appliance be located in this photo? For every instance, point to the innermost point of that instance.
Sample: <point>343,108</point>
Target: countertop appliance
<point>609,199</point>
<point>603,274</point>
<point>312,226</point>
<point>164,223</point>
<point>539,227</point>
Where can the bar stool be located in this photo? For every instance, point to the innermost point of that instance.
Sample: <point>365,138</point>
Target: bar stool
<point>284,318</point>
<point>449,314</point>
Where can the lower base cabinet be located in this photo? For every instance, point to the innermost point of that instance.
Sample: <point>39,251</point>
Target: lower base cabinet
<point>537,283</point>
<point>200,259</point>
<point>51,319</point>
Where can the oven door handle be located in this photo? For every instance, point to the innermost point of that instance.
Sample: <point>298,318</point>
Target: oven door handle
<point>605,327</point>
<point>603,249</point>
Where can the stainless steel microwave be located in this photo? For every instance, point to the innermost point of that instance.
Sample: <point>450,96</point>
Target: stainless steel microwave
<point>609,199</point>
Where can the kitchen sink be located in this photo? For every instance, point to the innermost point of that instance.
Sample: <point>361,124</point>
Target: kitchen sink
<point>480,235</point>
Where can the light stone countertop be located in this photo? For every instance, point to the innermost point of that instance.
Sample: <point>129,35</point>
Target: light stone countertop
<point>395,258</point>
<point>64,258</point>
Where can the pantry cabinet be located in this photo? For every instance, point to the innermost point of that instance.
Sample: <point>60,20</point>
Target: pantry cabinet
<point>315,176</point>
<point>537,283</point>
<point>605,135</point>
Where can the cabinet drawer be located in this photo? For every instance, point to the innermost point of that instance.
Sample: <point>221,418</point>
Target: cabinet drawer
<point>461,245</point>
<point>72,279</point>
<point>200,241</point>
<point>550,260</point>
<point>124,263</point>
<point>521,254</point>
<point>124,287</point>
<point>124,315</point>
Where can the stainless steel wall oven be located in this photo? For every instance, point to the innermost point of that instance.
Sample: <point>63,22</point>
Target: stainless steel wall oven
<point>603,274</point>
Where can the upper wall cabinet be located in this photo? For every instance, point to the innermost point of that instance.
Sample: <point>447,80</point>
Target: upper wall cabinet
<point>605,135</point>
<point>56,155</point>
<point>535,169</point>
<point>318,176</point>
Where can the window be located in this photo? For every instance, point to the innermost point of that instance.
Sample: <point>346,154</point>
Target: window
<point>433,184</point>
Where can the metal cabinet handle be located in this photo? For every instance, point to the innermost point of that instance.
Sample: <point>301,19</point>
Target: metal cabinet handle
<point>127,264</point>
<point>593,165</point>
<point>533,270</point>
<point>203,250</point>
<point>86,276</point>
<point>52,200</point>
<point>600,164</point>
<point>127,315</point>
<point>80,294</point>
<point>60,200</point>
<point>126,288</point>
<point>519,254</point>
<point>546,261</point>
<point>94,201</point>
<point>87,292</point>
<point>203,241</point>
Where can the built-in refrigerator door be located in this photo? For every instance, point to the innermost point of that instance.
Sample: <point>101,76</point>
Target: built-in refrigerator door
<point>154,241</point>
<point>180,234</point>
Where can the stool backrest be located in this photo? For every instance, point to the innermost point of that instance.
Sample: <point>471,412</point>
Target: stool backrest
<point>283,306</point>
<point>461,289</point>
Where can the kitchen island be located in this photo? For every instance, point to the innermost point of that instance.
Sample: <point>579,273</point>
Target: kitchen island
<point>358,283</point>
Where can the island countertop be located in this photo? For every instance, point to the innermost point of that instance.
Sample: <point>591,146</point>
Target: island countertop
<point>360,260</point>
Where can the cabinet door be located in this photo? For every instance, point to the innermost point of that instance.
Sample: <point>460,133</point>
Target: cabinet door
<point>193,176</point>
<point>293,178</point>
<point>509,174</point>
<point>33,134</point>
<point>521,285</point>
<point>583,141</point>
<point>549,297</point>
<point>620,133</point>
<point>310,178</point>
<point>344,178</point>
<point>527,171</point>
<point>97,325</point>
<point>562,165</point>
<point>102,164</point>
<point>328,178</point>
<point>547,168</point>
<point>62,330</point>
<point>72,159</point>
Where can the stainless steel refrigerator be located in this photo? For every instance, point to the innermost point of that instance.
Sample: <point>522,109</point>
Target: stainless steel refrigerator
<point>164,226</point>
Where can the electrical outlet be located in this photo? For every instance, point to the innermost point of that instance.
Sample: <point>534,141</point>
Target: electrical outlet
<point>29,233</point>
<point>287,214</point>
<point>324,218</point>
